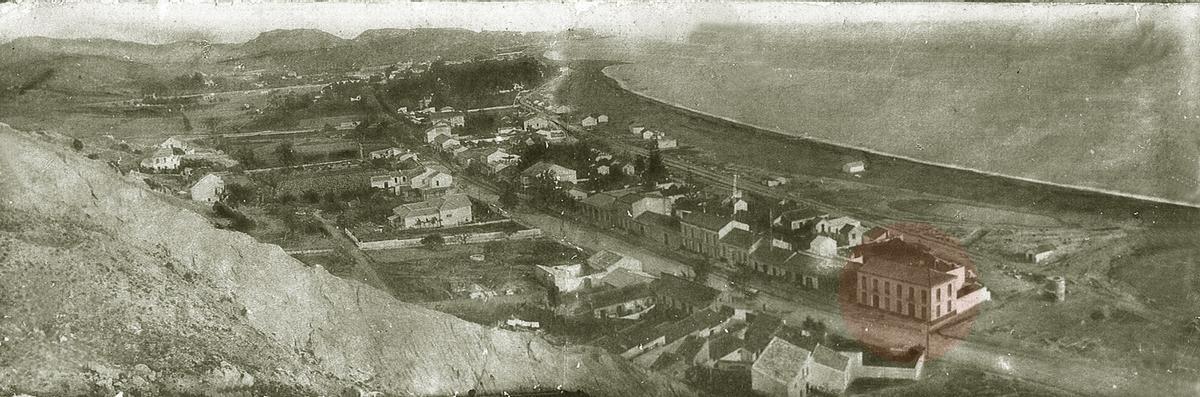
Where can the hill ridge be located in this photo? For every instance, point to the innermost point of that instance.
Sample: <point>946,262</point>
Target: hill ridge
<point>216,309</point>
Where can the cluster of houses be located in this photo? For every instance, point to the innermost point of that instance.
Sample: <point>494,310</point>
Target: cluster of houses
<point>445,211</point>
<point>659,140</point>
<point>607,285</point>
<point>543,130</point>
<point>446,115</point>
<point>593,120</point>
<point>781,359</point>
<point>409,175</point>
<point>167,156</point>
<point>902,266</point>
<point>784,369</point>
<point>440,206</point>
<point>652,215</point>
<point>491,160</point>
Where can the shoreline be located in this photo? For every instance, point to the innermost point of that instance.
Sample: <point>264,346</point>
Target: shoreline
<point>750,126</point>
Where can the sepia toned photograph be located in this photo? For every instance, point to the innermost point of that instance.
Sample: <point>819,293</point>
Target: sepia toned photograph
<point>440,199</point>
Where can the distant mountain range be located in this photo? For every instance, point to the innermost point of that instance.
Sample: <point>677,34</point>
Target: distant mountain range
<point>104,65</point>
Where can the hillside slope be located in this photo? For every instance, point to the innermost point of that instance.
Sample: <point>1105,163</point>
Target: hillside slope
<point>105,285</point>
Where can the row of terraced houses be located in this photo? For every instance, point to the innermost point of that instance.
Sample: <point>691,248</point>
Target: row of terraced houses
<point>895,273</point>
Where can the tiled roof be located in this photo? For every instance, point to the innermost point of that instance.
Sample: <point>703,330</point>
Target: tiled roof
<point>603,259</point>
<point>875,233</point>
<point>475,153</point>
<point>621,277</point>
<point>642,332</point>
<point>829,358</point>
<point>903,261</point>
<point>759,330</point>
<point>615,296</point>
<point>910,274</point>
<point>537,169</point>
<point>705,221</point>
<point>431,207</point>
<point>422,208</point>
<point>699,320</point>
<point>654,218</point>
<point>630,198</point>
<point>800,213</point>
<point>163,152</point>
<point>542,167</point>
<point>722,345</point>
<point>740,238</point>
<point>772,255</point>
<point>849,227</point>
<point>455,201</point>
<point>684,290</point>
<point>781,360</point>
<point>600,200</point>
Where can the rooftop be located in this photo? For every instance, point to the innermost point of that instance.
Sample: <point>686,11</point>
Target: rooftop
<point>759,330</point>
<point>542,167</point>
<point>922,276</point>
<point>630,198</point>
<point>621,277</point>
<point>829,358</point>
<point>683,290</point>
<point>740,238</point>
<point>654,218</point>
<point>722,345</point>
<point>781,360</point>
<point>163,152</point>
<point>772,255</point>
<point>799,214</point>
<point>600,200</point>
<point>430,207</point>
<point>699,320</point>
<point>705,221</point>
<point>908,262</point>
<point>613,296</point>
<point>603,259</point>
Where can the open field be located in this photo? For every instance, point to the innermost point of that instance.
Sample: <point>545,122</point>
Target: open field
<point>1109,104</point>
<point>946,381</point>
<point>423,274</point>
<point>368,233</point>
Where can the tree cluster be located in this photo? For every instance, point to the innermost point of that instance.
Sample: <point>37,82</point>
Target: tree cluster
<point>241,222</point>
<point>464,85</point>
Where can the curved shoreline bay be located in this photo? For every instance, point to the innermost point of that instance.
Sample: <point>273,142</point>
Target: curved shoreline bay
<point>1106,106</point>
<point>631,84</point>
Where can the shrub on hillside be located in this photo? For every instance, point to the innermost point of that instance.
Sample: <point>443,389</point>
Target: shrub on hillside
<point>241,222</point>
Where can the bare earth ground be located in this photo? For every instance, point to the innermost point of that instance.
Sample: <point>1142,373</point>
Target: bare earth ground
<point>110,287</point>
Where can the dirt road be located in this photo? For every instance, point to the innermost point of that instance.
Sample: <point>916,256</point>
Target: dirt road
<point>363,270</point>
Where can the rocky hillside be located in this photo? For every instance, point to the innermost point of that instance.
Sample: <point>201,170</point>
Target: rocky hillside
<point>106,286</point>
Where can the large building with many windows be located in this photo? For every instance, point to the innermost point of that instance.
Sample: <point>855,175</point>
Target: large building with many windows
<point>910,280</point>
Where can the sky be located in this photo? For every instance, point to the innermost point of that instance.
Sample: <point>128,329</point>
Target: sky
<point>173,21</point>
